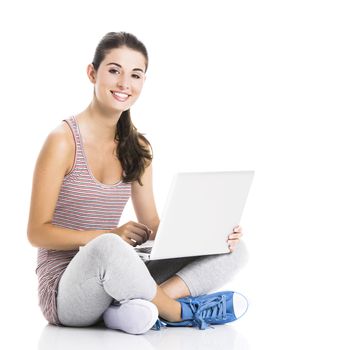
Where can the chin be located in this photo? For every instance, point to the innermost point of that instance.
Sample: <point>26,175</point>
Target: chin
<point>118,107</point>
<point>121,107</point>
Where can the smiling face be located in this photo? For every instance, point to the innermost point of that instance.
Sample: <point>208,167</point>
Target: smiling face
<point>119,78</point>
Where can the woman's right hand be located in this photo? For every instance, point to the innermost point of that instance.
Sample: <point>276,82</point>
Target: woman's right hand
<point>133,233</point>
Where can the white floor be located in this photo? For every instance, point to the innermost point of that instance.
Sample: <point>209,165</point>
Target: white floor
<point>224,337</point>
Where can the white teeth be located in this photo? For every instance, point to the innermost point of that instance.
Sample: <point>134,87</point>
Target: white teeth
<point>120,95</point>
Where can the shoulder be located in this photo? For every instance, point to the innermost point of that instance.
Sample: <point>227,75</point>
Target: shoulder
<point>59,146</point>
<point>61,138</point>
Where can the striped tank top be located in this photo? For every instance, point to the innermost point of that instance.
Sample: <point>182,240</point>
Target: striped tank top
<point>83,204</point>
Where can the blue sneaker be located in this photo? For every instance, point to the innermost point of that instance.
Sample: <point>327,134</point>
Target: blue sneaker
<point>211,309</point>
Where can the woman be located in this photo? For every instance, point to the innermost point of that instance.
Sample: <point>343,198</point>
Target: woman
<point>88,168</point>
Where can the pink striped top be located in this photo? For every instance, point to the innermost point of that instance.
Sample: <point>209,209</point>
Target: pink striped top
<point>83,204</point>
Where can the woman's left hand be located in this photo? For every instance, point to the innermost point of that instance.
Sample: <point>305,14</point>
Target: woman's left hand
<point>234,237</point>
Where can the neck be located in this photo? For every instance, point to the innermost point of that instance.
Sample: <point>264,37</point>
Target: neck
<point>100,123</point>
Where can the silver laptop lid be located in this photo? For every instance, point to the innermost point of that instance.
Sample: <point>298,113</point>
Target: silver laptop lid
<point>201,210</point>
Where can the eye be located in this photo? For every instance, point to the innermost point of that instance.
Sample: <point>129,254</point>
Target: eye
<point>136,76</point>
<point>113,71</point>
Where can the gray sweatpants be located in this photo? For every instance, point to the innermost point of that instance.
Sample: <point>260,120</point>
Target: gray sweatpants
<point>108,269</point>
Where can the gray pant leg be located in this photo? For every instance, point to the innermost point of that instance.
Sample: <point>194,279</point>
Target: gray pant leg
<point>106,268</point>
<point>161,270</point>
<point>201,274</point>
<point>208,273</point>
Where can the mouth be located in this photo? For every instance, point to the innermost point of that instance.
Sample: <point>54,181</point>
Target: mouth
<point>120,96</point>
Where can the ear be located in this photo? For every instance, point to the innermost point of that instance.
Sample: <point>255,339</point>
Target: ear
<point>91,73</point>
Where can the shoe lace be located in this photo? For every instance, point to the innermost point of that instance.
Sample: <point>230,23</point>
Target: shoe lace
<point>158,325</point>
<point>207,309</point>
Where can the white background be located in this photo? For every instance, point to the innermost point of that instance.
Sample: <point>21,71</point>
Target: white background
<point>232,85</point>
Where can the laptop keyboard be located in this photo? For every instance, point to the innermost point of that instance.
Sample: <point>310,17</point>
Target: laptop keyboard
<point>146,250</point>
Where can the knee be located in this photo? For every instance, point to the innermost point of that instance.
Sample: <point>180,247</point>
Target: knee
<point>106,245</point>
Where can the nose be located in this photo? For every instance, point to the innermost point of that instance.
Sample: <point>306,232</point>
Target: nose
<point>123,82</point>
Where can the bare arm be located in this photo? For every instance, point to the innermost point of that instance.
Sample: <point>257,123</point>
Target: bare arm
<point>144,203</point>
<point>54,161</point>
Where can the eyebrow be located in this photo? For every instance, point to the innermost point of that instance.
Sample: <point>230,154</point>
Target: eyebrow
<point>116,64</point>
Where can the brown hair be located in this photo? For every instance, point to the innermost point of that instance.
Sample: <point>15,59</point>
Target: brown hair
<point>132,154</point>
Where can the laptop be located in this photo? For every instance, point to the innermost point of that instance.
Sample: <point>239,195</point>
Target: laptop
<point>200,211</point>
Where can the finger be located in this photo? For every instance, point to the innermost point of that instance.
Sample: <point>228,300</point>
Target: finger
<point>235,235</point>
<point>137,238</point>
<point>237,229</point>
<point>140,226</point>
<point>141,229</point>
<point>131,242</point>
<point>231,241</point>
<point>141,235</point>
<point>128,240</point>
<point>232,245</point>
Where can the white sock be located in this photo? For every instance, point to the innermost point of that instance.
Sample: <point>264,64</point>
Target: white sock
<point>135,316</point>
